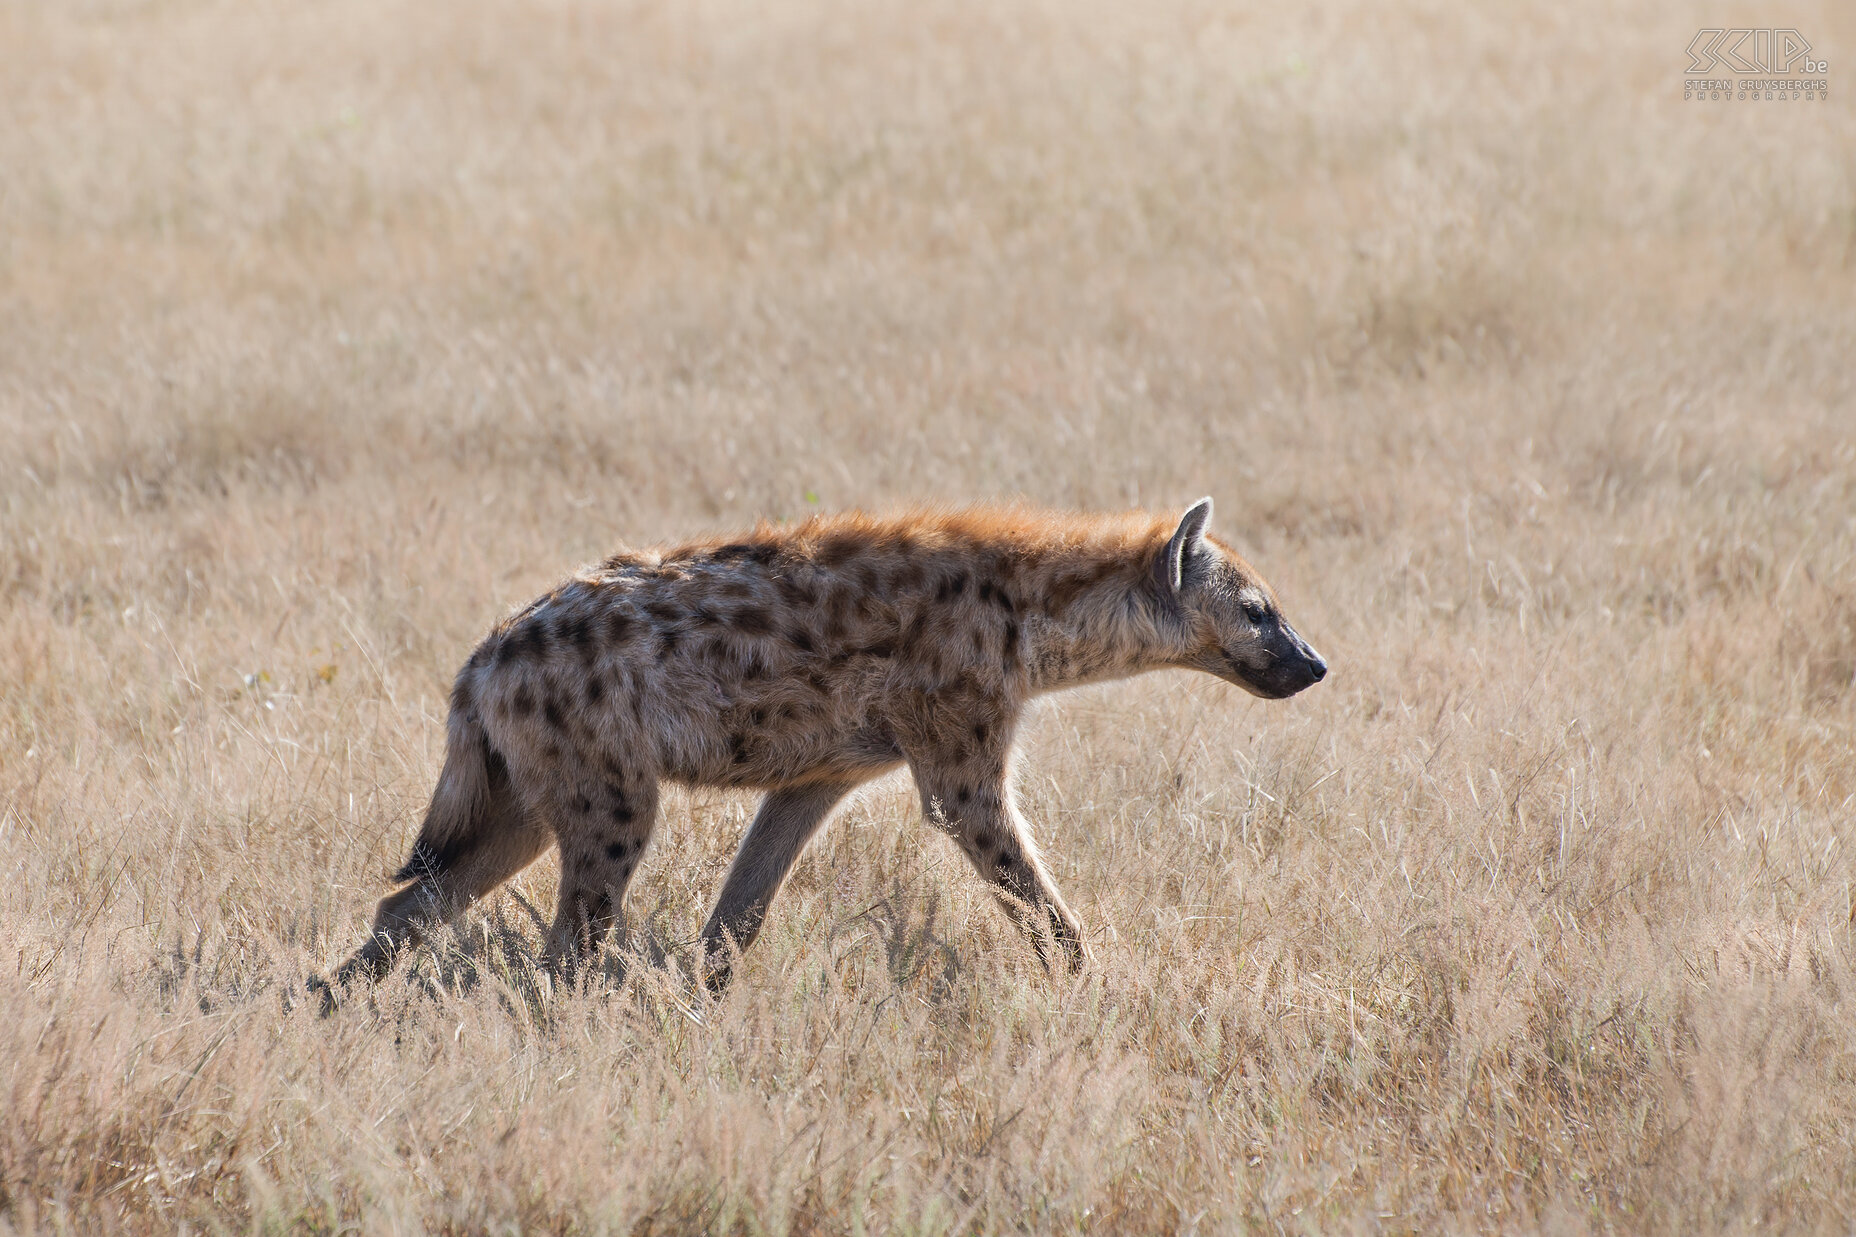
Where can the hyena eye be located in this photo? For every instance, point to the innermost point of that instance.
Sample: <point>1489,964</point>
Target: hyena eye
<point>1254,611</point>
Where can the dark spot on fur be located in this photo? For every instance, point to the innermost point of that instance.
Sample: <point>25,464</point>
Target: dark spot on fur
<point>758,717</point>
<point>622,812</point>
<point>625,870</point>
<point>496,769</point>
<point>732,552</point>
<point>983,841</point>
<point>981,732</point>
<point>794,592</point>
<point>617,850</point>
<point>523,641</point>
<point>801,640</point>
<point>667,641</point>
<point>577,633</point>
<point>618,626</point>
<point>551,752</point>
<point>595,690</point>
<point>754,622</point>
<point>523,701</point>
<point>996,595</point>
<point>582,804</point>
<point>551,709</point>
<point>1011,639</point>
<point>664,611</point>
<point>881,649</point>
<point>836,550</point>
<point>738,748</point>
<point>979,641</point>
<point>463,696</point>
<point>963,794</point>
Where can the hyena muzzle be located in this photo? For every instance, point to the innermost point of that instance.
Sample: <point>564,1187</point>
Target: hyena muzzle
<point>801,662</point>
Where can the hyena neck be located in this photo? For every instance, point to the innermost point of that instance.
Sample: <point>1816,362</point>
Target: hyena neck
<point>1103,619</point>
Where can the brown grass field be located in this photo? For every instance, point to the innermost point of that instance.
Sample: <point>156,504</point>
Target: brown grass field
<point>330,331</point>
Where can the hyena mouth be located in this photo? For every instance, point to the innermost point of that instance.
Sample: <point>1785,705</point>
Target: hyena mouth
<point>1291,677</point>
<point>1280,679</point>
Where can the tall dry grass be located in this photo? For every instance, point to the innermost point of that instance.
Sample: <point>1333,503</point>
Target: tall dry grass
<point>328,331</point>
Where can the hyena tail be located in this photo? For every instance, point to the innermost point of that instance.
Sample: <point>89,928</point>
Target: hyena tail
<point>476,836</point>
<point>472,801</point>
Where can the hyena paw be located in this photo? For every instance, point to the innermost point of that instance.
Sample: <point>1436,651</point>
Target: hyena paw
<point>324,993</point>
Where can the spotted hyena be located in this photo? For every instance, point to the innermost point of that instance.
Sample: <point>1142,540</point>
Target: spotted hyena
<point>802,661</point>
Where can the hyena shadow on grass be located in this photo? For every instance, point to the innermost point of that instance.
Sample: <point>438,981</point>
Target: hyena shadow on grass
<point>905,928</point>
<point>502,950</point>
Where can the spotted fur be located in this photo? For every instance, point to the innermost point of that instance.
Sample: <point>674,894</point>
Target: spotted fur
<point>802,661</point>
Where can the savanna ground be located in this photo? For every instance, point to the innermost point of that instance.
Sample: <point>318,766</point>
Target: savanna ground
<point>330,331</point>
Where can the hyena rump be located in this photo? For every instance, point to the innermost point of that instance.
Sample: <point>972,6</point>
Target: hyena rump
<point>802,662</point>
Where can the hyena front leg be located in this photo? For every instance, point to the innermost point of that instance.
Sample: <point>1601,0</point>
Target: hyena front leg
<point>974,804</point>
<point>603,824</point>
<point>787,819</point>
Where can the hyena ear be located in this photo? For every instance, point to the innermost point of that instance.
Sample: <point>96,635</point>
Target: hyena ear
<point>1187,539</point>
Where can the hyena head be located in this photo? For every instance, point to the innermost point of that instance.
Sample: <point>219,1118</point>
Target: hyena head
<point>1227,616</point>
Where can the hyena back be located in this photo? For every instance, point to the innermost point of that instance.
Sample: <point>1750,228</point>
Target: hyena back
<point>802,662</point>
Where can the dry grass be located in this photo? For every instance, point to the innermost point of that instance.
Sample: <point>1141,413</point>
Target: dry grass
<point>329,330</point>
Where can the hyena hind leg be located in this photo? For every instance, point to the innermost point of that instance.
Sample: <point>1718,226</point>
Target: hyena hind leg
<point>786,821</point>
<point>603,824</point>
<point>444,886</point>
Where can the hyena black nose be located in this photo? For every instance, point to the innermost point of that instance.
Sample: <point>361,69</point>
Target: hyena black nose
<point>1313,662</point>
